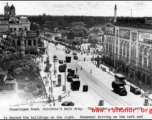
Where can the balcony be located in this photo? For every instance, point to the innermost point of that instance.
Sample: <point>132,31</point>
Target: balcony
<point>109,33</point>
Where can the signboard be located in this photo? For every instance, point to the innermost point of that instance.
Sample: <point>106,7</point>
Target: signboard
<point>124,33</point>
<point>145,37</point>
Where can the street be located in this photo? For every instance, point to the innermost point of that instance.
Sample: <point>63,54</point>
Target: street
<point>99,82</point>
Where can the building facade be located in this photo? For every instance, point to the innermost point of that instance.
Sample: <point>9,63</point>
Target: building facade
<point>18,30</point>
<point>129,49</point>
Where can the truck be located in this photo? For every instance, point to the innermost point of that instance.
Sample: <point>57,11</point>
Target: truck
<point>68,59</point>
<point>75,84</point>
<point>119,85</point>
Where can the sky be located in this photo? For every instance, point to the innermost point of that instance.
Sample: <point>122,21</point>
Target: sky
<point>86,8</point>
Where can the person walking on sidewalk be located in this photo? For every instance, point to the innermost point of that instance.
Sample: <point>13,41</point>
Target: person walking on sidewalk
<point>84,59</point>
<point>76,70</point>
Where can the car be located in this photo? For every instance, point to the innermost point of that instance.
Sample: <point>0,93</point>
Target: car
<point>67,103</point>
<point>135,90</point>
<point>75,57</point>
<point>60,61</point>
<point>74,53</point>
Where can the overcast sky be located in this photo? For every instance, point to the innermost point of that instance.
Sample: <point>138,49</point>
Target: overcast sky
<point>91,8</point>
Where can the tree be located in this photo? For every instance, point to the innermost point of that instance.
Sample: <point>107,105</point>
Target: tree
<point>93,40</point>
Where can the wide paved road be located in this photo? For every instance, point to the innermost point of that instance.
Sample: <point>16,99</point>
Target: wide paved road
<point>98,84</point>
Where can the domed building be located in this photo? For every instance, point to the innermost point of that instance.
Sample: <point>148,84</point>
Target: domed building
<point>12,10</point>
<point>9,11</point>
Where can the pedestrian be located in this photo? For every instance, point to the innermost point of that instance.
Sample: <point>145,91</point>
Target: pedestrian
<point>84,59</point>
<point>81,68</point>
<point>76,70</point>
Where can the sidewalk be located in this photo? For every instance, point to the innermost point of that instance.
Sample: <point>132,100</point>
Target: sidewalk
<point>128,83</point>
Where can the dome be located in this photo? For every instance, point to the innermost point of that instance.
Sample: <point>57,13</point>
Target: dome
<point>12,7</point>
<point>6,6</point>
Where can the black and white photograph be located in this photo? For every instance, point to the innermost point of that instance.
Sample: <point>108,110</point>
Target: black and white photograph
<point>75,53</point>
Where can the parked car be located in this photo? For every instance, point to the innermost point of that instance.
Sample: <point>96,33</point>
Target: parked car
<point>135,90</point>
<point>75,57</point>
<point>67,103</point>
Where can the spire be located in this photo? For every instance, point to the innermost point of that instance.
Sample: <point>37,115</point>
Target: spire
<point>115,7</point>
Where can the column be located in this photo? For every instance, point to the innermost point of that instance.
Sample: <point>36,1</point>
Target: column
<point>118,45</point>
<point>37,42</point>
<point>115,40</point>
<point>15,41</point>
<point>126,51</point>
<point>142,61</point>
<point>32,42</point>
<point>26,42</point>
<point>148,61</point>
<point>122,49</point>
<point>137,50</point>
<point>130,47</point>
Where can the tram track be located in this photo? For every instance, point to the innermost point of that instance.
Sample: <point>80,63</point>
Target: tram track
<point>100,89</point>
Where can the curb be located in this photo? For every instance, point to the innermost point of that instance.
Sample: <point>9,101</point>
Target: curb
<point>127,83</point>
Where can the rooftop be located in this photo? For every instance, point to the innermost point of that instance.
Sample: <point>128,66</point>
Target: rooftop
<point>136,22</point>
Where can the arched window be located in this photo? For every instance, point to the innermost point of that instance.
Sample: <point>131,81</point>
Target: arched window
<point>124,49</point>
<point>127,50</point>
<point>121,44</point>
<point>150,59</point>
<point>145,51</point>
<point>140,55</point>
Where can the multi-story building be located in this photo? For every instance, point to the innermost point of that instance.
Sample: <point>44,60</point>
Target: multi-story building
<point>129,48</point>
<point>17,26</point>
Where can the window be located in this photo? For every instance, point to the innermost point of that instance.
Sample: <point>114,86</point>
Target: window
<point>140,56</point>
<point>25,29</point>
<point>10,29</point>
<point>145,51</point>
<point>20,29</point>
<point>34,42</point>
<point>120,49</point>
<point>124,49</point>
<point>128,51</point>
<point>150,59</point>
<point>14,29</point>
<point>18,42</point>
<point>29,43</point>
<point>145,62</point>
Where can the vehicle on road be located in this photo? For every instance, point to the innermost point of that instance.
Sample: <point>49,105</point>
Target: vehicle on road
<point>75,57</point>
<point>67,103</point>
<point>74,53</point>
<point>119,84</point>
<point>62,68</point>
<point>70,75</point>
<point>60,61</point>
<point>75,84</point>
<point>68,59</point>
<point>135,90</point>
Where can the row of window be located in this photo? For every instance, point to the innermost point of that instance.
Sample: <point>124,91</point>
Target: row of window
<point>29,42</point>
<point>15,29</point>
